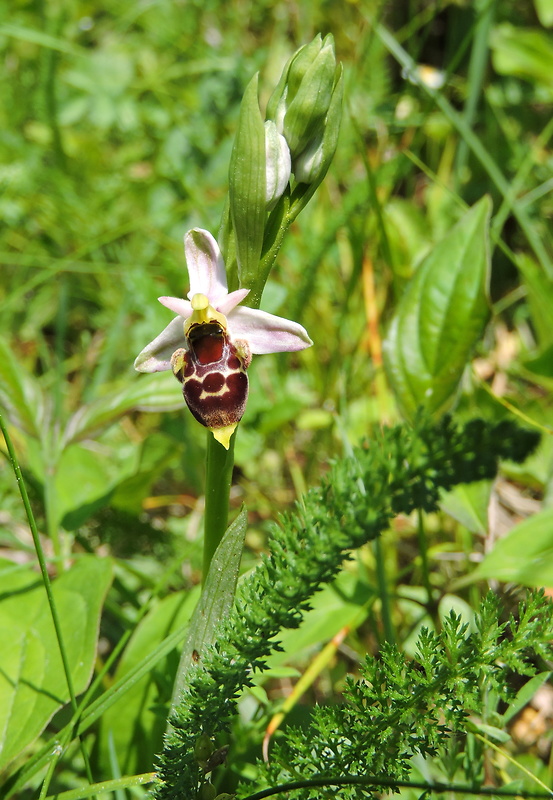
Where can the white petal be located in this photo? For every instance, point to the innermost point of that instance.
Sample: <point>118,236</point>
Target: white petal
<point>277,164</point>
<point>177,305</point>
<point>267,333</point>
<point>226,305</point>
<point>206,267</point>
<point>156,356</point>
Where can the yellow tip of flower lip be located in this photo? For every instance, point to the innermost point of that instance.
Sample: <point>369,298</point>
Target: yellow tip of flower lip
<point>223,434</point>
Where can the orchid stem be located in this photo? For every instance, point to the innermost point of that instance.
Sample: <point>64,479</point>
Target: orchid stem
<point>218,480</point>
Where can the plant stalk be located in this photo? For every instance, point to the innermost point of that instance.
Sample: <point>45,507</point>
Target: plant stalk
<point>218,480</point>
<point>383,593</point>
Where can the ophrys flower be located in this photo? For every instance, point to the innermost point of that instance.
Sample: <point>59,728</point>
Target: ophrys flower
<point>210,343</point>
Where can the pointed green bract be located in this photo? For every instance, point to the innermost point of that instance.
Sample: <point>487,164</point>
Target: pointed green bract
<point>440,317</point>
<point>247,186</point>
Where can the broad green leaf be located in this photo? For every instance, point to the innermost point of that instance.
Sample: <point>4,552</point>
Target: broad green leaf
<point>523,52</point>
<point>144,393</point>
<point>32,680</point>
<point>524,695</point>
<point>468,504</point>
<point>407,233</point>
<point>542,364</point>
<point>84,481</point>
<point>216,601</point>
<point>20,395</point>
<point>247,185</point>
<point>540,298</point>
<point>524,555</point>
<point>135,727</point>
<point>440,317</point>
<point>544,10</point>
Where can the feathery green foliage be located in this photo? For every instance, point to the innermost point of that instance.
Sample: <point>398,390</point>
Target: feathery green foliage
<point>401,470</point>
<point>402,707</point>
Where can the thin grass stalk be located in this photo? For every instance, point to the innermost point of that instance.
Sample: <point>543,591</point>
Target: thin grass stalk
<point>46,580</point>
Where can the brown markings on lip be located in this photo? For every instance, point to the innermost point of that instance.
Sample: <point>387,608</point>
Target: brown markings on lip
<point>215,384</point>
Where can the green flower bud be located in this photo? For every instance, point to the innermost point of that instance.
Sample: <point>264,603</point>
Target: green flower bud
<point>301,102</point>
<point>203,748</point>
<point>207,791</point>
<point>278,165</point>
<point>291,79</point>
<point>312,163</point>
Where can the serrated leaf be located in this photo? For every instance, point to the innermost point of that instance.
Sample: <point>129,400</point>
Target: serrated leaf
<point>217,598</point>
<point>440,317</point>
<point>247,186</point>
<point>32,681</point>
<point>20,394</point>
<point>524,555</point>
<point>160,392</point>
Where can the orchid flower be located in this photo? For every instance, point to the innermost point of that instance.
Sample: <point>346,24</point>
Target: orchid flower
<point>210,343</point>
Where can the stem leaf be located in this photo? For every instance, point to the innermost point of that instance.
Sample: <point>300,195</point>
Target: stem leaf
<point>216,601</point>
<point>247,186</point>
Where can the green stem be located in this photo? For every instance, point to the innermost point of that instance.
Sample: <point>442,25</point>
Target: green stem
<point>45,579</point>
<point>476,73</point>
<point>383,593</point>
<point>106,786</point>
<point>218,480</point>
<point>423,548</point>
<point>366,782</point>
<point>41,560</point>
<point>52,516</point>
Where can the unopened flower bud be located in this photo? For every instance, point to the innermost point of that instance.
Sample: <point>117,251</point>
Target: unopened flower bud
<point>278,164</point>
<point>290,80</point>
<point>207,791</point>
<point>311,165</point>
<point>301,101</point>
<point>203,748</point>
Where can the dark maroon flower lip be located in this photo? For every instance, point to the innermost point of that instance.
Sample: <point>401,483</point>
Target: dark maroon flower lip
<point>214,381</point>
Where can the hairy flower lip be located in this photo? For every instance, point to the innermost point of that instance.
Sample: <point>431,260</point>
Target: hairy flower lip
<point>264,333</point>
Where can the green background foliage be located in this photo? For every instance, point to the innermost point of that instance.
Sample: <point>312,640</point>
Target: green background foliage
<point>117,121</point>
